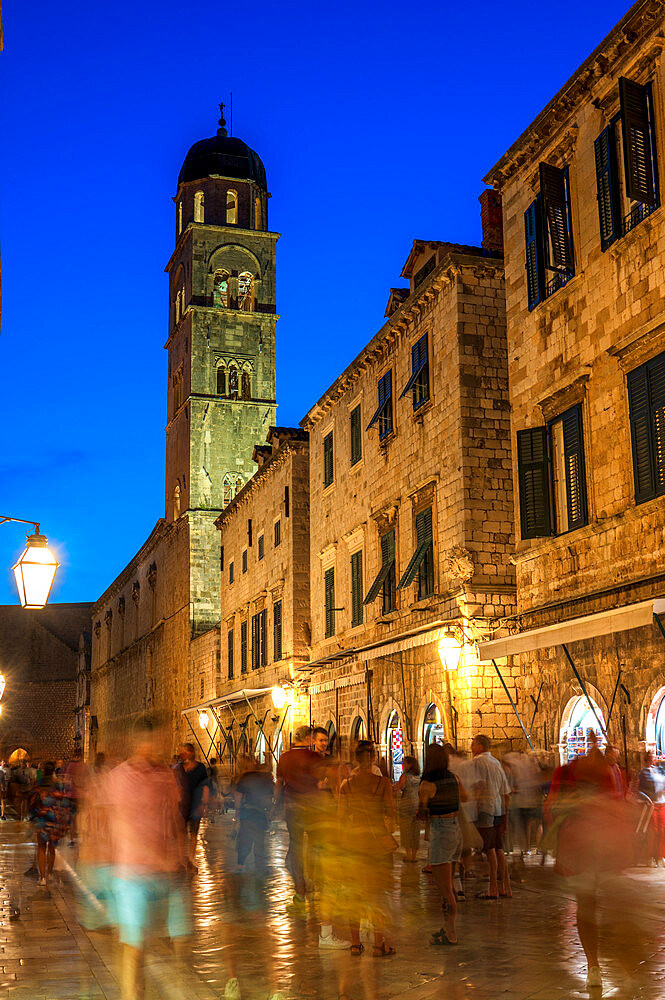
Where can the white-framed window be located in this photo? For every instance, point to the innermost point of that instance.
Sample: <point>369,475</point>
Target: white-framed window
<point>231,207</point>
<point>199,206</point>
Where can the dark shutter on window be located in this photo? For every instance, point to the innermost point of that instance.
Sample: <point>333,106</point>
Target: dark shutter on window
<point>255,641</point>
<point>533,474</point>
<point>573,450</point>
<point>230,653</point>
<point>356,589</point>
<point>356,436</point>
<point>328,470</point>
<point>383,413</point>
<point>607,187</point>
<point>418,371</point>
<point>423,546</point>
<point>636,142</point>
<point>243,647</point>
<point>329,601</point>
<point>387,563</point>
<point>656,370</point>
<point>555,207</point>
<point>263,639</point>
<point>640,434</point>
<point>277,630</point>
<point>535,273</point>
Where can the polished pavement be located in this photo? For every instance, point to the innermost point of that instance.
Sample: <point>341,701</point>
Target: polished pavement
<point>520,949</point>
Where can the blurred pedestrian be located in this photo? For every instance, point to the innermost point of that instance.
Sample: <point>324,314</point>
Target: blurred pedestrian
<point>50,813</point>
<point>192,777</point>
<point>367,811</point>
<point>4,784</point>
<point>254,798</point>
<point>149,852</point>
<point>297,784</point>
<point>407,796</point>
<point>440,798</point>
<point>492,793</point>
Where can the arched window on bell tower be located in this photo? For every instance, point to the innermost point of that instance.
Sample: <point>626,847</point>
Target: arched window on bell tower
<point>257,213</point>
<point>231,207</point>
<point>246,385</point>
<point>221,379</point>
<point>233,380</point>
<point>246,291</point>
<point>180,217</point>
<point>220,289</point>
<point>231,485</point>
<point>199,207</point>
<point>176,501</point>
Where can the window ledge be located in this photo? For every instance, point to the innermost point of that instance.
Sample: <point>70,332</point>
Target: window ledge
<point>551,295</point>
<point>357,465</point>
<point>385,441</point>
<point>643,225</point>
<point>422,410</point>
<point>328,489</point>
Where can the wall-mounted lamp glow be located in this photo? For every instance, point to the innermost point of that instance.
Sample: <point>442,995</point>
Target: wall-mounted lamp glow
<point>450,649</point>
<point>279,698</point>
<point>3,682</point>
<point>203,719</point>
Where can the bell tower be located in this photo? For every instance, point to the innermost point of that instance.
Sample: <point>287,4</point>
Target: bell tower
<point>221,346</point>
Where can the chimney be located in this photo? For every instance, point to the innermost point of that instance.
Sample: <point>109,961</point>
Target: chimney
<point>492,219</point>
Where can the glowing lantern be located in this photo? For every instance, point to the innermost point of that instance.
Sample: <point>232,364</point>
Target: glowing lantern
<point>35,571</point>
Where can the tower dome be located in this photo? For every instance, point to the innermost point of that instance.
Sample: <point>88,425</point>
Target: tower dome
<point>222,155</point>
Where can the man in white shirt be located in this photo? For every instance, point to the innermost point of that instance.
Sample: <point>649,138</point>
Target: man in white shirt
<point>492,793</point>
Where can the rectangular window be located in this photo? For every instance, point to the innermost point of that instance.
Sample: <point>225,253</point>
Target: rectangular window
<point>619,210</point>
<point>278,533</point>
<point>356,589</point>
<point>418,384</point>
<point>551,474</point>
<point>383,415</point>
<point>385,581</point>
<point>231,571</point>
<point>243,647</point>
<point>277,630</point>
<point>329,601</point>
<point>259,648</point>
<point>261,544</point>
<point>263,638</point>
<point>328,464</point>
<point>421,564</point>
<point>646,398</point>
<point>548,235</point>
<point>356,435</point>
<point>244,560</point>
<point>230,653</point>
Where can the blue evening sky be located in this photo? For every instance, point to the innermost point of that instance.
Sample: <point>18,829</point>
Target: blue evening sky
<point>376,123</point>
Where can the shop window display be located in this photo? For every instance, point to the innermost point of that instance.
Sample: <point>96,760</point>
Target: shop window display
<point>395,746</point>
<point>580,730</point>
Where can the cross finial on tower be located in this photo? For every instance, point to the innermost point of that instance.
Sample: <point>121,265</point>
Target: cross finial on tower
<point>222,121</point>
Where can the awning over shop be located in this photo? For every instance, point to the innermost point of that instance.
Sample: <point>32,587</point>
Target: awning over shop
<point>431,632</point>
<point>243,694</point>
<point>574,630</point>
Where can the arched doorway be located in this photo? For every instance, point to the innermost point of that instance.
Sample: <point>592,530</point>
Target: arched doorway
<point>332,739</point>
<point>655,734</point>
<point>358,731</point>
<point>580,730</point>
<point>433,731</point>
<point>260,750</point>
<point>395,746</point>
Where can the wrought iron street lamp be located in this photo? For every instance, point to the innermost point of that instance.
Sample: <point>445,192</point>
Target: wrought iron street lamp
<point>279,698</point>
<point>35,570</point>
<point>203,719</point>
<point>450,649</point>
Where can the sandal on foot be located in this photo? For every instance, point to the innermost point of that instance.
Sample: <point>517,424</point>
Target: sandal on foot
<point>357,949</point>
<point>485,895</point>
<point>382,951</point>
<point>506,895</point>
<point>441,938</point>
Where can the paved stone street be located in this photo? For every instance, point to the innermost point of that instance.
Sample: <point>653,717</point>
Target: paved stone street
<point>519,949</point>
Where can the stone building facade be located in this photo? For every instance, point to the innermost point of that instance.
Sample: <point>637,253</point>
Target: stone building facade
<point>411,510</point>
<point>584,241</point>
<point>38,659</point>
<point>265,606</point>
<point>220,403</point>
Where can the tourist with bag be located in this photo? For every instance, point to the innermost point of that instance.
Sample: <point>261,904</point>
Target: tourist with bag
<point>367,815</point>
<point>440,796</point>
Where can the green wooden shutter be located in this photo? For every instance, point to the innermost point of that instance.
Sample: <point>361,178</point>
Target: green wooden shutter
<point>243,647</point>
<point>356,436</point>
<point>328,467</point>
<point>387,564</point>
<point>533,475</point>
<point>639,175</point>
<point>656,371</point>
<point>277,630</point>
<point>555,207</point>
<point>640,434</point>
<point>573,450</point>
<point>263,638</point>
<point>356,589</point>
<point>423,546</point>
<point>535,272</point>
<point>418,383</point>
<point>230,653</point>
<point>329,601</point>
<point>607,187</point>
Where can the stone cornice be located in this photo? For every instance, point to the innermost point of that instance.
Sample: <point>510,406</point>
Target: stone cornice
<point>158,533</point>
<point>642,20</point>
<point>401,323</point>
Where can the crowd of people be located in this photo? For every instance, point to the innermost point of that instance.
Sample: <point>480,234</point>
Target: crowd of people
<point>136,826</point>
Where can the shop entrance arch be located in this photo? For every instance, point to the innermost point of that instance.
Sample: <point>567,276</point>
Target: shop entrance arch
<point>358,731</point>
<point>395,746</point>
<point>332,738</point>
<point>433,731</point>
<point>580,731</point>
<point>655,734</point>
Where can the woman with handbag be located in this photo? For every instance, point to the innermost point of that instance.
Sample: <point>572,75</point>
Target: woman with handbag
<point>367,813</point>
<point>440,796</point>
